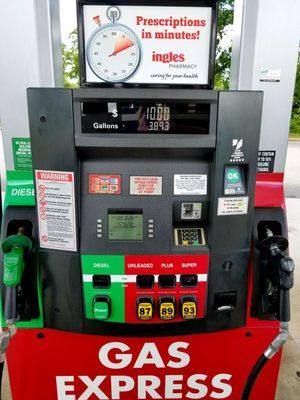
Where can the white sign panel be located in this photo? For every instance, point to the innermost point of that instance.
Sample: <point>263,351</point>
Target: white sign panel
<point>190,185</point>
<point>56,209</point>
<point>233,205</point>
<point>146,185</point>
<point>145,44</point>
<point>270,75</point>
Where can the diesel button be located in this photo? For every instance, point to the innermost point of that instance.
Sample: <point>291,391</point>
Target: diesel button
<point>101,281</point>
<point>188,307</point>
<point>145,308</point>
<point>167,306</point>
<point>101,308</point>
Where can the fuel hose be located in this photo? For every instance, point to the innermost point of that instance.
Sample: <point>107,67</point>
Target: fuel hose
<point>1,376</point>
<point>269,353</point>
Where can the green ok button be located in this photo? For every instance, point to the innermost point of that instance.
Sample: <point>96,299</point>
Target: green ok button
<point>233,175</point>
<point>101,308</point>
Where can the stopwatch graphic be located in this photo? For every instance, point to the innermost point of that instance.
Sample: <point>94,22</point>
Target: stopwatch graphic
<point>113,51</point>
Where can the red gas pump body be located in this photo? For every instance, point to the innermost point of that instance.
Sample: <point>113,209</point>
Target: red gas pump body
<point>50,364</point>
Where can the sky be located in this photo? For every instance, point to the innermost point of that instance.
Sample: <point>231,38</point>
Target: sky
<point>68,19</point>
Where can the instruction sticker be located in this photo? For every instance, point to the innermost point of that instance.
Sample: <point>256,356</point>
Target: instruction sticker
<point>270,74</point>
<point>22,153</point>
<point>233,205</point>
<point>146,185</point>
<point>190,185</point>
<point>266,160</point>
<point>56,209</point>
<point>104,184</point>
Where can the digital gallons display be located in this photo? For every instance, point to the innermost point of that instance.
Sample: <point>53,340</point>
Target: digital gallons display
<point>145,118</point>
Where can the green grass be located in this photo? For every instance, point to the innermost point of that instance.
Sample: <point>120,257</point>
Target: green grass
<point>295,135</point>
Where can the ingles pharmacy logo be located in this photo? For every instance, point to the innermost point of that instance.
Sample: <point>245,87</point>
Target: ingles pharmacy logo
<point>127,376</point>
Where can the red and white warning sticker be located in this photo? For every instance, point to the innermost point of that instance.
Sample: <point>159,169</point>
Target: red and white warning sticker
<point>104,184</point>
<point>56,209</point>
<point>146,185</point>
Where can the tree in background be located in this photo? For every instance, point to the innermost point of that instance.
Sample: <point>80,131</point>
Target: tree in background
<point>295,122</point>
<point>70,60</point>
<point>223,56</point>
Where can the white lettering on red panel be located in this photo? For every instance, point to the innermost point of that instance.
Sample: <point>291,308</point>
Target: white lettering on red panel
<point>116,356</point>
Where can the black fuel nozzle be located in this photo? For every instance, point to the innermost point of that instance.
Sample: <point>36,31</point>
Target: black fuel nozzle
<point>280,272</point>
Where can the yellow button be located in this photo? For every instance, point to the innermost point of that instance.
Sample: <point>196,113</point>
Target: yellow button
<point>189,309</point>
<point>185,242</point>
<point>145,310</point>
<point>167,309</point>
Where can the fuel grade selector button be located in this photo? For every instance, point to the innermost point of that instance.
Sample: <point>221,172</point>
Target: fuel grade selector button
<point>145,281</point>
<point>167,307</point>
<point>189,280</point>
<point>101,308</point>
<point>188,307</point>
<point>145,308</point>
<point>167,281</point>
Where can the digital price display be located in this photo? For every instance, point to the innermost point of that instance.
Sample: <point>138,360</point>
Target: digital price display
<point>144,118</point>
<point>157,118</point>
<point>125,225</point>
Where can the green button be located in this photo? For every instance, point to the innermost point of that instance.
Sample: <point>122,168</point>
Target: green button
<point>233,175</point>
<point>101,310</point>
<point>196,242</point>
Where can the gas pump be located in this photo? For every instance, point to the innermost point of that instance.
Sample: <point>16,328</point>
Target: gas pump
<point>144,264</point>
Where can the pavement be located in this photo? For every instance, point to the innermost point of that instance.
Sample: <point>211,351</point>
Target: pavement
<point>289,376</point>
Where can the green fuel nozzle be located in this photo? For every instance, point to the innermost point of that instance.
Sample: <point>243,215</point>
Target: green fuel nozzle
<point>14,263</point>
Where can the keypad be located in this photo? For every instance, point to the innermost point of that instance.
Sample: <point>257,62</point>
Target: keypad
<point>189,236</point>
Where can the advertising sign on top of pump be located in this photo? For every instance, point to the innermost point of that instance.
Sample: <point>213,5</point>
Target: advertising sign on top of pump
<point>144,44</point>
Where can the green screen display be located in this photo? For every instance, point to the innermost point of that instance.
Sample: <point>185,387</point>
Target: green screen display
<point>125,226</point>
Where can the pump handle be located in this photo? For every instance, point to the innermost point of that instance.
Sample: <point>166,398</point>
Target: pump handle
<point>277,240</point>
<point>19,240</point>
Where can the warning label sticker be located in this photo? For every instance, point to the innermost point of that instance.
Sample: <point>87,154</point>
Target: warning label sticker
<point>104,184</point>
<point>56,209</point>
<point>233,205</point>
<point>146,185</point>
<point>190,184</point>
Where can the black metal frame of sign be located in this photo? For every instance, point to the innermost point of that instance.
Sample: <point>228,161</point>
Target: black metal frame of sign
<point>153,3</point>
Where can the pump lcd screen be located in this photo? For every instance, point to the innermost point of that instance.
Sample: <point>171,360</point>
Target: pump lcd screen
<point>125,225</point>
<point>147,44</point>
<point>145,118</point>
